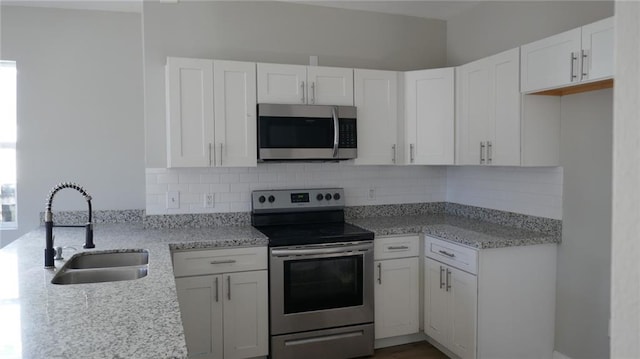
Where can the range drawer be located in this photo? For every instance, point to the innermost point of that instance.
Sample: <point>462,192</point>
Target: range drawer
<point>396,247</point>
<point>458,256</point>
<point>214,261</point>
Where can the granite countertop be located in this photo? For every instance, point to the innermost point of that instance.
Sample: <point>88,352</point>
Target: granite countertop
<point>470,232</point>
<point>127,319</point>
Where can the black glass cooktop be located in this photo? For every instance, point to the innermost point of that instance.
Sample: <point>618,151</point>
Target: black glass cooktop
<point>315,233</point>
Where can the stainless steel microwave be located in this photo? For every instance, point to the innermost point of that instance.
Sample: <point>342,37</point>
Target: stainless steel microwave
<point>306,132</point>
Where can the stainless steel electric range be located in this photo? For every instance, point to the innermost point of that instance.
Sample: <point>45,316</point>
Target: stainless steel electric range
<point>320,275</point>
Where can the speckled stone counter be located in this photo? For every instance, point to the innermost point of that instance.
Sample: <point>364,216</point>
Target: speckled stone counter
<point>128,319</point>
<point>470,232</point>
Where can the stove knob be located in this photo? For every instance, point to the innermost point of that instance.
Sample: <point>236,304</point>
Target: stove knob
<point>319,197</point>
<point>336,196</point>
<point>261,199</point>
<point>272,199</point>
<point>327,196</point>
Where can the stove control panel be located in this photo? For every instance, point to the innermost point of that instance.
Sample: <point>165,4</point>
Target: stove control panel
<point>297,200</point>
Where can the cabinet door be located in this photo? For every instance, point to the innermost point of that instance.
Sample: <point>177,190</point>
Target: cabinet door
<point>396,297</point>
<point>282,83</point>
<point>429,116</point>
<point>474,119</point>
<point>329,86</point>
<point>200,300</point>
<point>503,148</point>
<point>190,125</point>
<point>246,329</point>
<point>235,113</point>
<point>463,298</point>
<point>551,62</point>
<point>376,97</point>
<point>597,50</point>
<point>436,298</point>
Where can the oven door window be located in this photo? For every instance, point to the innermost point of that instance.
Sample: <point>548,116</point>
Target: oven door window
<point>322,283</point>
<point>295,132</point>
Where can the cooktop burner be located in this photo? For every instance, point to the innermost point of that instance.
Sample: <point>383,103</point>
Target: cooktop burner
<point>316,233</point>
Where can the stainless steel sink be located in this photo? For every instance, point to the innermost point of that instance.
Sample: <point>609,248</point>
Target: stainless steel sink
<point>133,257</point>
<point>99,275</point>
<point>104,266</point>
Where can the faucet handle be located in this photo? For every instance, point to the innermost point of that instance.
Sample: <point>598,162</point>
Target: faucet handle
<point>58,252</point>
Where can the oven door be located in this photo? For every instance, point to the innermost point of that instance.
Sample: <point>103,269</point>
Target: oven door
<point>321,286</point>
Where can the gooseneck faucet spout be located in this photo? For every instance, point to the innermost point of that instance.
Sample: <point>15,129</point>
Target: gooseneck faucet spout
<point>49,251</point>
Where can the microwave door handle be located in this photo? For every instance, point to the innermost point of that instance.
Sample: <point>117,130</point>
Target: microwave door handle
<point>336,134</point>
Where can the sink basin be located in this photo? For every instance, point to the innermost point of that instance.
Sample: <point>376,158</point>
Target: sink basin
<point>133,257</point>
<point>99,275</point>
<point>104,266</point>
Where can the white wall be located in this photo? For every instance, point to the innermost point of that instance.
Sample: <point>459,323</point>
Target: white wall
<point>80,113</point>
<point>276,32</point>
<point>232,186</point>
<point>495,26</point>
<point>625,296</point>
<point>532,191</point>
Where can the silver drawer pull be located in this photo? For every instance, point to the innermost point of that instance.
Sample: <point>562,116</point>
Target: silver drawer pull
<point>450,255</point>
<point>227,261</point>
<point>397,247</point>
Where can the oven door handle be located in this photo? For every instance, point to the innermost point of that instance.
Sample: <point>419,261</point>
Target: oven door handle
<point>316,251</point>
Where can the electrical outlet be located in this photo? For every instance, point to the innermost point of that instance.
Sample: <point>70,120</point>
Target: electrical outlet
<point>173,200</point>
<point>372,193</point>
<point>209,200</point>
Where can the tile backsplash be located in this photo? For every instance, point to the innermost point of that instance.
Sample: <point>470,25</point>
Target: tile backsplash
<point>231,187</point>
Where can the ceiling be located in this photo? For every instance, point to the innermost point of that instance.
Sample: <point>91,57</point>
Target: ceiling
<point>443,10</point>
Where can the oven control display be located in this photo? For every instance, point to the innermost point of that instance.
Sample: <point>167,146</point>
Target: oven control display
<point>300,197</point>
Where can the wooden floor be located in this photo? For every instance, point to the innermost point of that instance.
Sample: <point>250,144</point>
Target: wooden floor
<point>419,350</point>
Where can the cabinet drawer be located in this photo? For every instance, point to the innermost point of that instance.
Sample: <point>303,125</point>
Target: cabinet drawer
<point>213,261</point>
<point>396,247</point>
<point>455,255</point>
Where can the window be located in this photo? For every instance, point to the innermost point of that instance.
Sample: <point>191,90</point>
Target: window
<point>8,136</point>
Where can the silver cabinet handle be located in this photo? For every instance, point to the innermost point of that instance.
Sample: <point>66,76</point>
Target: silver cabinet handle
<point>397,247</point>
<point>481,152</point>
<point>450,255</point>
<point>489,152</point>
<point>336,131</point>
<point>379,273</point>
<point>229,287</point>
<point>448,280</point>
<point>216,289</point>
<point>313,93</point>
<point>302,86</point>
<point>221,147</point>
<point>574,75</point>
<point>585,64</point>
<point>226,261</point>
<point>411,152</point>
<point>210,163</point>
<point>441,277</point>
<point>393,148</point>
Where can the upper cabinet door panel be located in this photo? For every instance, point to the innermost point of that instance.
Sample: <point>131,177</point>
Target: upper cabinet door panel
<point>282,84</point>
<point>504,150</point>
<point>597,50</point>
<point>474,124</point>
<point>235,113</point>
<point>375,96</point>
<point>329,86</point>
<point>551,62</point>
<point>190,126</point>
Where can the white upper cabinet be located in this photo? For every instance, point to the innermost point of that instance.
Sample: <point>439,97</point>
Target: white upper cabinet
<point>235,113</point>
<point>376,97</point>
<point>429,117</point>
<point>189,92</point>
<point>488,117</point>
<point>569,58</point>
<point>198,135</point>
<point>297,84</point>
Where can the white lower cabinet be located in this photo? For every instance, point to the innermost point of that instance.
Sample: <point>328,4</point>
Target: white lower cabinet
<point>224,315</point>
<point>397,286</point>
<point>490,303</point>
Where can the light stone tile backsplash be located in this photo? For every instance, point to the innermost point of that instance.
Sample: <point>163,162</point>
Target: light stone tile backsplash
<point>232,186</point>
<point>531,191</point>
